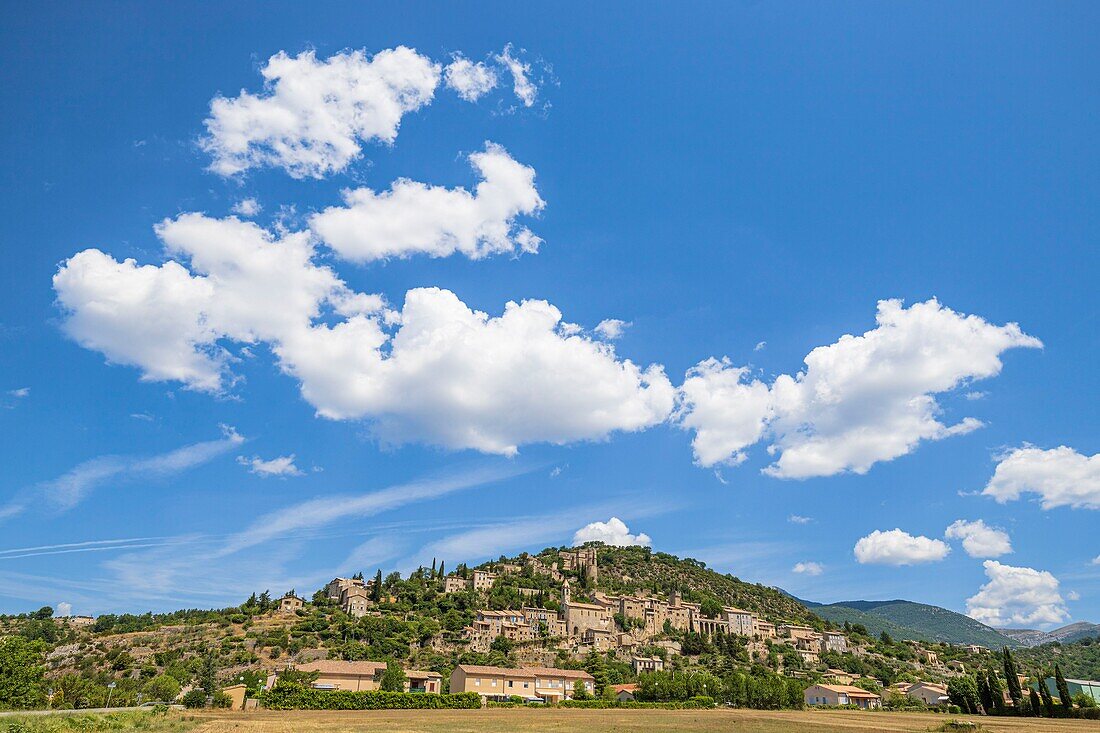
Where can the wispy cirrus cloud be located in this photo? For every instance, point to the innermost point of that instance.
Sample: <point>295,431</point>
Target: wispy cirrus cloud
<point>68,490</point>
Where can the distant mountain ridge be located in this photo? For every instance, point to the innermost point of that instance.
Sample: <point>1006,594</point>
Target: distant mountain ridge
<point>903,619</point>
<point>1065,634</point>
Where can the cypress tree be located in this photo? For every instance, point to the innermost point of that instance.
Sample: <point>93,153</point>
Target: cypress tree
<point>1063,690</point>
<point>1012,679</point>
<point>984,694</point>
<point>376,591</point>
<point>1036,705</point>
<point>433,568</point>
<point>441,571</point>
<point>996,692</point>
<point>1044,693</point>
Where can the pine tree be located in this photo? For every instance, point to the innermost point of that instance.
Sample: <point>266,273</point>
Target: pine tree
<point>208,674</point>
<point>1012,679</point>
<point>376,590</point>
<point>1063,689</point>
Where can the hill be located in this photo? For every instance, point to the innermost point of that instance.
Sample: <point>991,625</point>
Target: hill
<point>914,621</point>
<point>1065,634</point>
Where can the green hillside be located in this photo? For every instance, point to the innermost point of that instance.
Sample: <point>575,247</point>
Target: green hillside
<point>915,621</point>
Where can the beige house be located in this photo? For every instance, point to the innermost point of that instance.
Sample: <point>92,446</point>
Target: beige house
<point>764,629</point>
<point>482,579</point>
<point>646,664</point>
<point>930,657</point>
<point>290,603</point>
<point>928,693</point>
<point>840,677</point>
<point>335,674</point>
<point>795,631</point>
<point>353,595</point>
<point>455,584</point>
<point>835,695</point>
<point>547,683</point>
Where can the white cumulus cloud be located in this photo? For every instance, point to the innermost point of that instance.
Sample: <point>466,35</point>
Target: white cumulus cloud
<point>895,547</point>
<point>979,539</point>
<point>808,568</point>
<point>460,378</point>
<point>612,532</point>
<point>280,466</point>
<point>413,218</point>
<point>859,401</point>
<point>437,371</point>
<point>799,519</point>
<point>64,610</point>
<point>611,328</point>
<point>247,207</point>
<point>313,115</point>
<point>1060,477</point>
<point>470,80</point>
<point>1017,597</point>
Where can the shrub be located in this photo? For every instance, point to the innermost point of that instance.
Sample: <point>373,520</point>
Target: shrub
<point>194,698</point>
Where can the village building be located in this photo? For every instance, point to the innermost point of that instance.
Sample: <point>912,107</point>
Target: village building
<point>836,695</point>
<point>646,664</point>
<point>546,683</point>
<point>764,629</point>
<point>927,692</point>
<point>290,603</point>
<point>482,579</point>
<point>624,693</point>
<point>335,674</point>
<point>455,584</point>
<point>840,677</point>
<point>834,641</point>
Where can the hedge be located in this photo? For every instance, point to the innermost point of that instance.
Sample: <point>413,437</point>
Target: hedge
<point>697,702</point>
<point>298,697</point>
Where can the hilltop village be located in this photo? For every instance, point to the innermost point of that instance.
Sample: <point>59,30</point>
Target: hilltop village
<point>618,623</point>
<point>603,623</point>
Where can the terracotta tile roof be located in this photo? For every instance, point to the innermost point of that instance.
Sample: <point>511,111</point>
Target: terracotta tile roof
<point>525,671</point>
<point>850,690</point>
<point>624,688</point>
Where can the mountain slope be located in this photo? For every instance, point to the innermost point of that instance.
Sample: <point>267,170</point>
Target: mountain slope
<point>917,621</point>
<point>1065,634</point>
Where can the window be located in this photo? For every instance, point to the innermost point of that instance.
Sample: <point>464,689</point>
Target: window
<point>477,683</point>
<point>509,683</point>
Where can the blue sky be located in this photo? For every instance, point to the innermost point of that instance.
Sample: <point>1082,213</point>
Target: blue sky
<point>746,181</point>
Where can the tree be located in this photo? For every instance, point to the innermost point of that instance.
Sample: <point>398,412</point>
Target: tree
<point>1012,678</point>
<point>376,589</point>
<point>985,696</point>
<point>265,602</point>
<point>594,664</point>
<point>501,644</point>
<point>996,692</point>
<point>1036,705</point>
<point>963,692</point>
<point>1044,693</point>
<point>393,679</point>
<point>43,613</point>
<point>1063,689</point>
<point>442,572</point>
<point>208,675</point>
<point>711,608</point>
<point>162,688</point>
<point>21,673</point>
<point>579,691</point>
<point>885,638</point>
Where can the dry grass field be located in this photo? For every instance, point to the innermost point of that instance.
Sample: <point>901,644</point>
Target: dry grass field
<point>609,721</point>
